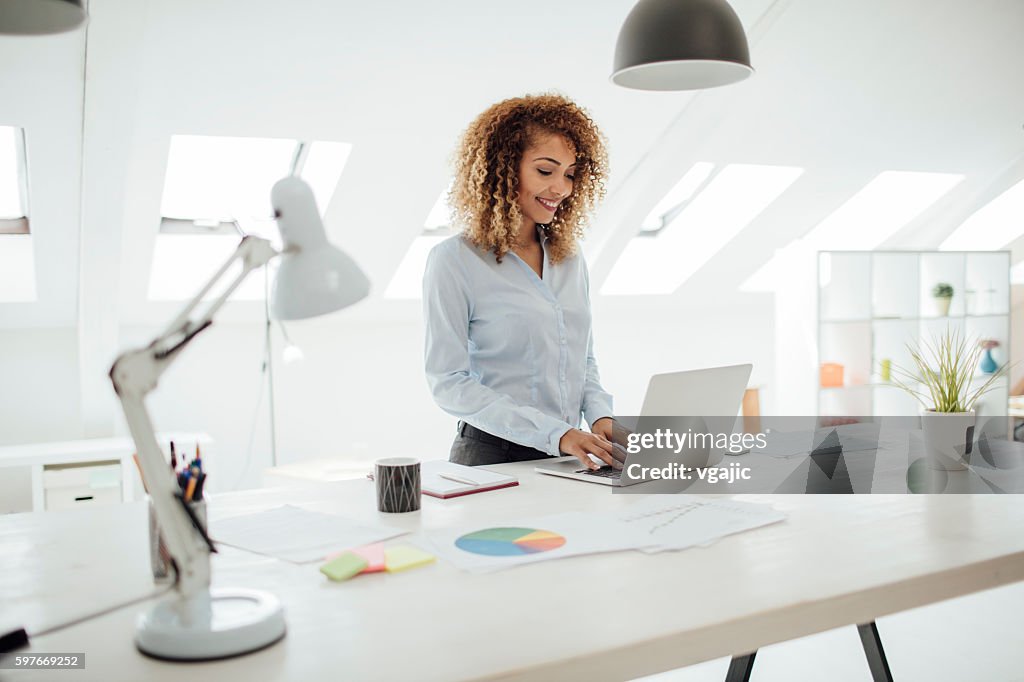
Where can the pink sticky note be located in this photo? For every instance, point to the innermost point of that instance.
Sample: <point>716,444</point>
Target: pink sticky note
<point>374,555</point>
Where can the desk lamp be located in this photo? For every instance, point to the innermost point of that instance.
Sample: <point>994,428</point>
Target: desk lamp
<point>314,278</point>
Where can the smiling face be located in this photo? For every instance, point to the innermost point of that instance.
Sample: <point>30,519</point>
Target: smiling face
<point>546,172</point>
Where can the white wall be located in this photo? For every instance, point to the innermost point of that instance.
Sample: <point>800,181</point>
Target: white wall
<point>359,392</point>
<point>38,399</point>
<point>39,379</point>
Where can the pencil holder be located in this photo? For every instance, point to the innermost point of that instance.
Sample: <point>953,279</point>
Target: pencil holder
<point>159,559</point>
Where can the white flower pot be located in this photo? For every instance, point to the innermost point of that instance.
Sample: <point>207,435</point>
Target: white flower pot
<point>948,438</point>
<point>942,303</point>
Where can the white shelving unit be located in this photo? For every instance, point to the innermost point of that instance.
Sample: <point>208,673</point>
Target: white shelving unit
<point>871,304</point>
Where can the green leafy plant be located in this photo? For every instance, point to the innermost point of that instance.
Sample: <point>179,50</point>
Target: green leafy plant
<point>945,369</point>
<point>942,290</point>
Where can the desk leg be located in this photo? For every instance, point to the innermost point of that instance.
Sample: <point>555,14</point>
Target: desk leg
<point>740,668</point>
<point>873,650</point>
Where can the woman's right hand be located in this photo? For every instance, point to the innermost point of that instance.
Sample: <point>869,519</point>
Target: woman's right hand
<point>581,445</point>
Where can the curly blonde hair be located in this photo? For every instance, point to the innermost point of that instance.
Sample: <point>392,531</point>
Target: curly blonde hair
<point>484,195</point>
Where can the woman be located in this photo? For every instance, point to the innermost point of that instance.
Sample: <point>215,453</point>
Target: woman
<point>509,349</point>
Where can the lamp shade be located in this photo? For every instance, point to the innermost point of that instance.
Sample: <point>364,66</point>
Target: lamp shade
<point>314,277</point>
<point>39,17</point>
<point>681,45</point>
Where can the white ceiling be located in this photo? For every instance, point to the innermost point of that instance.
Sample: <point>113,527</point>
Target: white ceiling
<point>844,90</point>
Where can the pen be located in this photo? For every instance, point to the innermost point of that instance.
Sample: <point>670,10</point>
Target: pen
<point>457,479</point>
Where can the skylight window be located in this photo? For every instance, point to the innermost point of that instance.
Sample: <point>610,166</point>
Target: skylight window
<point>662,213</point>
<point>439,217</point>
<point>408,278</point>
<point>220,178</point>
<point>183,263</point>
<point>728,203</point>
<point>13,200</point>
<point>871,216</point>
<point>217,188</point>
<point>994,226</point>
<point>880,210</point>
<point>17,256</point>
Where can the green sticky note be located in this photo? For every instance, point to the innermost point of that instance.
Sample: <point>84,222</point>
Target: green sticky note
<point>343,566</point>
<point>404,556</point>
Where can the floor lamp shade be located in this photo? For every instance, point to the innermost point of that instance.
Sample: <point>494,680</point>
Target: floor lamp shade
<point>681,45</point>
<point>39,17</point>
<point>314,277</point>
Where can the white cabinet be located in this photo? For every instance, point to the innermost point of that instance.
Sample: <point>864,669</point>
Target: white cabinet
<point>73,485</point>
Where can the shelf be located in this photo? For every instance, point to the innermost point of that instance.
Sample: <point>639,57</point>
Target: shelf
<point>893,384</point>
<point>871,304</point>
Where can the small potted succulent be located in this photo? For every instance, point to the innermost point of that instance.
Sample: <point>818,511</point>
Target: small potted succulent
<point>943,295</point>
<point>941,381</point>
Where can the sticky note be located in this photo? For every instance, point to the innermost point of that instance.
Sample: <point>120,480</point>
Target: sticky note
<point>344,566</point>
<point>404,557</point>
<point>374,555</point>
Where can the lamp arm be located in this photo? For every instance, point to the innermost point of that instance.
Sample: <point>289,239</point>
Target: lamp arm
<point>135,374</point>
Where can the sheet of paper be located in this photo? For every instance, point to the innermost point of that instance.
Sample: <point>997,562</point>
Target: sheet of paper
<point>671,522</point>
<point>297,535</point>
<point>484,547</point>
<point>433,481</point>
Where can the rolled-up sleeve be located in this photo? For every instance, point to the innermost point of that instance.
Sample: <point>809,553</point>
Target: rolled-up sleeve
<point>597,402</point>
<point>447,310</point>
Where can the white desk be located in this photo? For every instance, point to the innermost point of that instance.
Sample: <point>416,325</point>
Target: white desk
<point>838,560</point>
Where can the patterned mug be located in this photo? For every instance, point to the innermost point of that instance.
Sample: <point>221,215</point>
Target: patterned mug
<point>398,484</point>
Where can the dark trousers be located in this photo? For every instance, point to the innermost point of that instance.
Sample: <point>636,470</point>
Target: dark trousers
<point>474,447</point>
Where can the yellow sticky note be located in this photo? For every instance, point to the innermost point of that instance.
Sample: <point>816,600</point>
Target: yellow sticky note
<point>403,557</point>
<point>344,566</point>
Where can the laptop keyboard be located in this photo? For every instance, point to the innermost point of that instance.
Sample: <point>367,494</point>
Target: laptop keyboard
<point>603,472</point>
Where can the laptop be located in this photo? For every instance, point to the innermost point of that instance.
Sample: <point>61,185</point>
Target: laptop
<point>681,398</point>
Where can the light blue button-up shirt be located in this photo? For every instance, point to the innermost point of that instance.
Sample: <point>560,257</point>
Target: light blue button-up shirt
<point>507,351</point>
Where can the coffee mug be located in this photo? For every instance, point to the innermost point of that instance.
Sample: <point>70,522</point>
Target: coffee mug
<point>398,484</point>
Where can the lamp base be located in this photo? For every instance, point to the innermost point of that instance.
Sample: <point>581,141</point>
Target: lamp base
<point>210,625</point>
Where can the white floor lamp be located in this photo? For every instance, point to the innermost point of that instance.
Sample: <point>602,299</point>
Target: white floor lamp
<point>314,278</point>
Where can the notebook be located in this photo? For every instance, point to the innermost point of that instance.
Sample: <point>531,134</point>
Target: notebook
<point>435,485</point>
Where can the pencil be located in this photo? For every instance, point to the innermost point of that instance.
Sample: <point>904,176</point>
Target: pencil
<point>191,489</point>
<point>138,466</point>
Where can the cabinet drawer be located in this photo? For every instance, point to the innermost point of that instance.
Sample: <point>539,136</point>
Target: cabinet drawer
<point>70,485</point>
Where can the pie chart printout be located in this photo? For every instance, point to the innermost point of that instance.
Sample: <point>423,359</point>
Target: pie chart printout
<point>509,541</point>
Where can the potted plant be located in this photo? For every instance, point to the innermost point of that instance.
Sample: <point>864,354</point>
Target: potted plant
<point>941,381</point>
<point>943,295</point>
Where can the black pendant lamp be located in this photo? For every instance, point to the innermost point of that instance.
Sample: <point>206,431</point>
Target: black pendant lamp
<point>40,17</point>
<point>681,45</point>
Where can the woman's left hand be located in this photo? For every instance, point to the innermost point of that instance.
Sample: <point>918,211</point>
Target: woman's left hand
<point>603,427</point>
